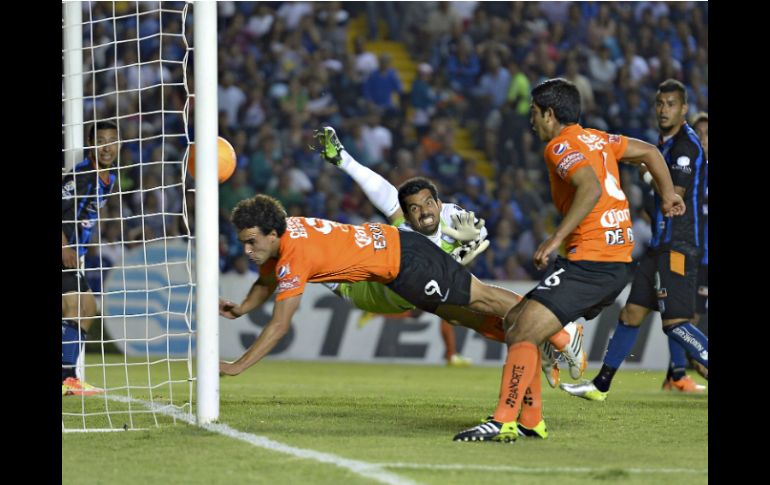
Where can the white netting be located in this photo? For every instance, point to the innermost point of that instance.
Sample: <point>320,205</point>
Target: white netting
<point>139,257</point>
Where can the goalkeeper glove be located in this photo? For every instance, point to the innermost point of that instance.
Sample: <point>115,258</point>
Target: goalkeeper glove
<point>466,253</point>
<point>466,227</point>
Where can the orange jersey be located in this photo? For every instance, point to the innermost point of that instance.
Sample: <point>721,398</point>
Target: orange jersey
<point>605,233</point>
<point>318,250</point>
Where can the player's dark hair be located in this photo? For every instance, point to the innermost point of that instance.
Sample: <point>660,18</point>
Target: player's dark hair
<point>101,125</point>
<point>672,85</point>
<point>411,187</point>
<point>561,96</point>
<point>260,211</point>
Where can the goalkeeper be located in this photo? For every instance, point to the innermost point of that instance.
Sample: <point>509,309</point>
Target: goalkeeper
<point>416,207</point>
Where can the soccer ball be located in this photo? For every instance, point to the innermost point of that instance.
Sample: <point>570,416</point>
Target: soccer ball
<point>225,158</point>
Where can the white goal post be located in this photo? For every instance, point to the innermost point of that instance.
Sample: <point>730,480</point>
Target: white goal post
<point>151,261</point>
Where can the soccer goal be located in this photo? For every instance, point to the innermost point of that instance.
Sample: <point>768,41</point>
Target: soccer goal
<point>151,261</point>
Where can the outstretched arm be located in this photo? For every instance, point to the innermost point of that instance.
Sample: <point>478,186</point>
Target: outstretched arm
<point>258,294</point>
<point>269,338</point>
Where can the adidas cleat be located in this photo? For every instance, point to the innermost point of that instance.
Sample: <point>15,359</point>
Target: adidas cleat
<point>490,430</point>
<point>573,353</point>
<point>586,390</point>
<point>539,431</point>
<point>329,145</point>
<point>548,364</point>
<point>458,360</point>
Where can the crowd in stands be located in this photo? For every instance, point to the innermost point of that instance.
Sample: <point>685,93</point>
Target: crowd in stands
<point>285,69</point>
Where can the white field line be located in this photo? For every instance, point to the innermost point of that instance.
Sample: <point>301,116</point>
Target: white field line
<point>376,471</point>
<point>521,469</point>
<point>362,468</point>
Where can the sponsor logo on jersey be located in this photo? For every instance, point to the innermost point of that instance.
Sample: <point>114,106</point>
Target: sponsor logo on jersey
<point>613,217</point>
<point>361,237</point>
<point>283,270</point>
<point>682,164</point>
<point>290,284</point>
<point>567,162</point>
<point>614,139</point>
<point>560,148</point>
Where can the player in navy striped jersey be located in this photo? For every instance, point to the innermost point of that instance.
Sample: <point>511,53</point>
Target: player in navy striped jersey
<point>700,123</point>
<point>84,191</point>
<point>665,279</point>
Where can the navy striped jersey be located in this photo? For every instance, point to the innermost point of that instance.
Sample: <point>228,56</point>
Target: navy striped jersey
<point>705,213</point>
<point>687,164</point>
<point>83,193</point>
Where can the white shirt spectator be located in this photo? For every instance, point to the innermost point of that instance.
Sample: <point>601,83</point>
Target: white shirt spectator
<point>226,9</point>
<point>602,72</point>
<point>292,12</point>
<point>260,25</point>
<point>320,103</point>
<point>254,115</point>
<point>300,181</point>
<point>230,101</point>
<point>366,63</point>
<point>638,69</point>
<point>463,9</point>
<point>377,139</point>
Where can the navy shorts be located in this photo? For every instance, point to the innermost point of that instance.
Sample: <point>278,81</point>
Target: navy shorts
<point>665,281</point>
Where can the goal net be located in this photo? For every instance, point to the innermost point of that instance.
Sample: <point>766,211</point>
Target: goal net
<point>127,62</point>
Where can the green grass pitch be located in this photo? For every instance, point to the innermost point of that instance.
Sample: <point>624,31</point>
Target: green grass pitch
<point>400,416</point>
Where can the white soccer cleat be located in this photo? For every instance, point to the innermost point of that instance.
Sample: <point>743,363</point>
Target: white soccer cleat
<point>586,390</point>
<point>548,364</point>
<point>458,360</point>
<point>573,353</point>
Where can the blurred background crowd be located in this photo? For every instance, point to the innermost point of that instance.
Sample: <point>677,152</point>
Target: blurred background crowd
<point>438,89</point>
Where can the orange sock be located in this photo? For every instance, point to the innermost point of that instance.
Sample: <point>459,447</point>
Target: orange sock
<point>448,334</point>
<point>492,328</point>
<point>532,405</point>
<point>521,366</point>
<point>559,340</point>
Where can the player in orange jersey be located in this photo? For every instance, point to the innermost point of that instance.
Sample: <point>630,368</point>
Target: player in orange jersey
<point>292,251</point>
<point>596,231</point>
